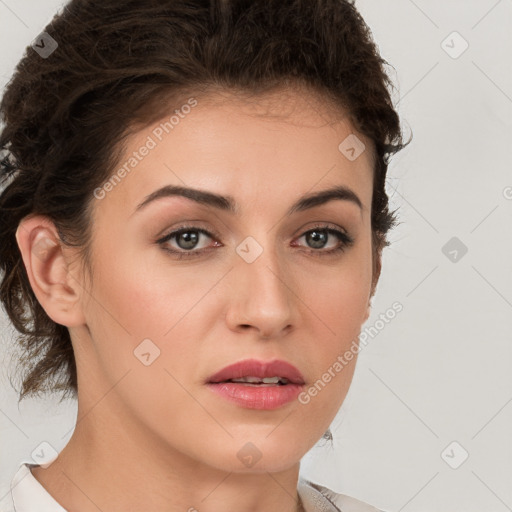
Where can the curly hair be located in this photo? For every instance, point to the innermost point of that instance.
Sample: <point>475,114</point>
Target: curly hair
<point>116,62</point>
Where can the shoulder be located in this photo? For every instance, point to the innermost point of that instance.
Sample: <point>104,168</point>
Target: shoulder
<point>317,498</point>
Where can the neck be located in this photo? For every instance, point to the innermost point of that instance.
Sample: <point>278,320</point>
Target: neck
<point>127,468</point>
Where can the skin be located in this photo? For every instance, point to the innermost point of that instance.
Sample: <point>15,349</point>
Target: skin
<point>154,437</point>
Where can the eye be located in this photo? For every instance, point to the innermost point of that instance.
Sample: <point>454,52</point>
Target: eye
<point>318,236</point>
<point>186,238</point>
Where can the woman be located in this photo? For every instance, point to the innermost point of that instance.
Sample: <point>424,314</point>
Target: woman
<point>192,229</point>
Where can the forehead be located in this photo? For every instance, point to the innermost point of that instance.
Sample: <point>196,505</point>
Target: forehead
<point>278,144</point>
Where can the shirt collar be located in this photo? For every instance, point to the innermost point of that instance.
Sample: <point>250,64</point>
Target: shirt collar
<point>29,495</point>
<point>313,499</point>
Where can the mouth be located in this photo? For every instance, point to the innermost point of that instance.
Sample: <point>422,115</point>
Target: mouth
<point>257,384</point>
<point>252,371</point>
<point>257,381</point>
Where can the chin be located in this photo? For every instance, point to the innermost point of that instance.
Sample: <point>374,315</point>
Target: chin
<point>257,454</point>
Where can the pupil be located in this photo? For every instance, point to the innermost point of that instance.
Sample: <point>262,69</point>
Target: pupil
<point>316,235</point>
<point>190,238</point>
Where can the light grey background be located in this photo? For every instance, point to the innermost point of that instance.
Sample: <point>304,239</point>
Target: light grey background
<point>441,370</point>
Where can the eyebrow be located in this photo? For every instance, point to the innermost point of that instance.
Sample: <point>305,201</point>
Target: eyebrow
<point>228,203</point>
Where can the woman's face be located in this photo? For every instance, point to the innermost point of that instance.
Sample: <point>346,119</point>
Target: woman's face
<point>164,314</point>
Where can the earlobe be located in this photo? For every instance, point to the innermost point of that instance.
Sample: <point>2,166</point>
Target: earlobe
<point>48,272</point>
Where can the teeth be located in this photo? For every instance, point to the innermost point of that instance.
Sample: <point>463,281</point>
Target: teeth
<point>247,379</point>
<point>270,380</point>
<point>264,380</point>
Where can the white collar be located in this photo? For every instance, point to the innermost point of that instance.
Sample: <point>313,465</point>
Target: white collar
<point>28,495</point>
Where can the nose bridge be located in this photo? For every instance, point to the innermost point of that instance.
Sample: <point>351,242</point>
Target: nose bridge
<point>263,295</point>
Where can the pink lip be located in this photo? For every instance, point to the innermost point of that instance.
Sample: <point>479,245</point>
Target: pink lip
<point>258,396</point>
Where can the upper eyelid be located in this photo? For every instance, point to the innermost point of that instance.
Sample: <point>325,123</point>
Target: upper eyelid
<point>174,232</point>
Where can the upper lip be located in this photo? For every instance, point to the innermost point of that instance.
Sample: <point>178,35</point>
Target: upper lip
<point>261,369</point>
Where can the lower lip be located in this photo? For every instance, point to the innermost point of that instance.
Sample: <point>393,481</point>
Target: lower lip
<point>257,396</point>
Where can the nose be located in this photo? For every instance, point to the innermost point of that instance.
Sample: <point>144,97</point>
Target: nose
<point>261,296</point>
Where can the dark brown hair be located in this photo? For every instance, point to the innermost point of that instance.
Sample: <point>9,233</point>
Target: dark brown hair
<point>66,115</point>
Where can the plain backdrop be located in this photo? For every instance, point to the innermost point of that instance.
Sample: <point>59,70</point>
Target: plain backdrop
<point>426,424</point>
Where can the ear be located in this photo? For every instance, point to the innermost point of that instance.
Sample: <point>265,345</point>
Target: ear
<point>47,268</point>
<point>377,267</point>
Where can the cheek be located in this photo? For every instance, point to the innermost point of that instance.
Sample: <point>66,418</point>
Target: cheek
<point>140,306</point>
<point>139,328</point>
<point>334,353</point>
<point>340,295</point>
<point>342,303</point>
<point>341,311</point>
<point>339,303</point>
<point>141,296</point>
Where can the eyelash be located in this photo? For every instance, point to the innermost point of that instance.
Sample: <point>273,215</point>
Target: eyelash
<point>346,241</point>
